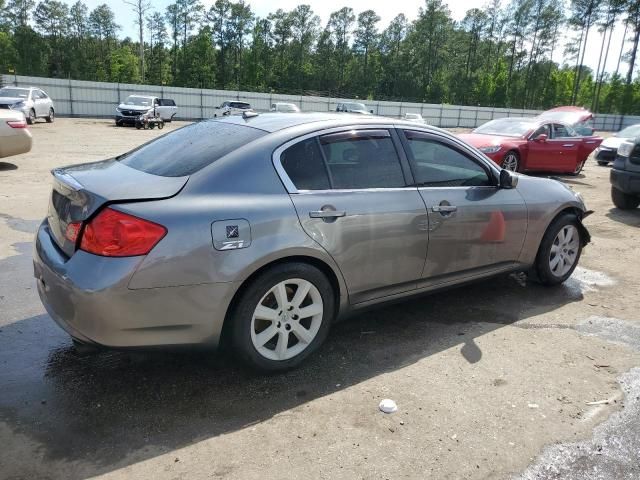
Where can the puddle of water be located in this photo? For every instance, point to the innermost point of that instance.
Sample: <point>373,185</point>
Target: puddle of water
<point>612,452</point>
<point>586,280</point>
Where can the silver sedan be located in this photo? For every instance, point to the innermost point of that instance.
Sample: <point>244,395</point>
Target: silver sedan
<point>262,230</point>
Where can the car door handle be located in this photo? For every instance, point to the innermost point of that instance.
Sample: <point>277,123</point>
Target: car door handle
<point>444,208</point>
<point>327,214</point>
<point>568,145</point>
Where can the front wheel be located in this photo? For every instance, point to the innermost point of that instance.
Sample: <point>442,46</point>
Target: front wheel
<point>283,316</point>
<point>31,118</point>
<point>511,162</point>
<point>51,117</point>
<point>559,250</point>
<point>624,201</point>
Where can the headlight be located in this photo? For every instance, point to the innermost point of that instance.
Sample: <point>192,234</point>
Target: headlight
<point>19,105</point>
<point>492,149</point>
<point>625,149</point>
<point>118,109</point>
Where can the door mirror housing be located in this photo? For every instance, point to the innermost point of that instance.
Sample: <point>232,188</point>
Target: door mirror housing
<point>508,179</point>
<point>541,138</point>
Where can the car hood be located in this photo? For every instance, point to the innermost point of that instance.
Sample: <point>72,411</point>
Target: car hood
<point>134,108</point>
<point>479,140</point>
<point>613,142</point>
<point>11,100</point>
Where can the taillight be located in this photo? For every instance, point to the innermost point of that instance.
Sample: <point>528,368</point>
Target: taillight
<point>17,123</point>
<point>115,234</point>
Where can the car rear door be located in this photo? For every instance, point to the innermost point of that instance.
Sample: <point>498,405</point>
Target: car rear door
<point>350,190</point>
<point>166,108</point>
<point>474,226</point>
<point>568,145</point>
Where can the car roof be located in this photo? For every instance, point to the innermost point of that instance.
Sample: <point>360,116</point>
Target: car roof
<point>568,108</point>
<point>273,122</point>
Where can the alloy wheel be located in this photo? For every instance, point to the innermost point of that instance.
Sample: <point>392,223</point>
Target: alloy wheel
<point>287,319</point>
<point>564,250</point>
<point>510,162</point>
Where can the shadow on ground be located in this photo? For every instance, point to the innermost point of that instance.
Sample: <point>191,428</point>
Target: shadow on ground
<point>628,217</point>
<point>4,166</point>
<point>100,408</point>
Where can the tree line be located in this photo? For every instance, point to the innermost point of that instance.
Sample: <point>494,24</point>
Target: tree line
<point>523,54</point>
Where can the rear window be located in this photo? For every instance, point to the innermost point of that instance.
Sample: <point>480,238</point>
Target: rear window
<point>189,149</point>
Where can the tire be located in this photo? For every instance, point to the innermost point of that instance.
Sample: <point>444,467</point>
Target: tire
<point>282,333</point>
<point>31,119</point>
<point>160,125</point>
<point>138,126</point>
<point>624,201</point>
<point>511,161</point>
<point>553,270</point>
<point>603,163</point>
<point>51,117</point>
<point>578,169</point>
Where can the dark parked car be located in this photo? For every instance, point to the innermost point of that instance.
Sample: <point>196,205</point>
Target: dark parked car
<point>269,227</point>
<point>625,175</point>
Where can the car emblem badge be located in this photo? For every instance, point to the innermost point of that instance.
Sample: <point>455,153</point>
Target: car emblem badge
<point>232,231</point>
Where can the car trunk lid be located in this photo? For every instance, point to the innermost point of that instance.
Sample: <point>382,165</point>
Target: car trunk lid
<point>80,191</point>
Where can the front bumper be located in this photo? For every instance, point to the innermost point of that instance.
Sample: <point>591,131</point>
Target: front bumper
<point>606,155</point>
<point>625,181</point>
<point>89,298</point>
<point>126,119</point>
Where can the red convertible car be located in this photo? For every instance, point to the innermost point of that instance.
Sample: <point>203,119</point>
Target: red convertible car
<point>521,144</point>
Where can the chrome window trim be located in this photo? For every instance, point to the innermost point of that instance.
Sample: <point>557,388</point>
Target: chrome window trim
<point>288,184</point>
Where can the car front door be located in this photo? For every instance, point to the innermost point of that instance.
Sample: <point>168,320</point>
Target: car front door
<point>475,227</point>
<point>351,193</point>
<point>542,153</point>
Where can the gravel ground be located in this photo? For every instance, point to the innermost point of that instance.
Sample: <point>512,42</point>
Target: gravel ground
<point>500,379</point>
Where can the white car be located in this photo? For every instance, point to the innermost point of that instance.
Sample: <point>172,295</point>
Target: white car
<point>32,102</point>
<point>414,117</point>
<point>353,107</point>
<point>15,137</point>
<point>608,149</point>
<point>136,105</point>
<point>231,108</point>
<point>284,107</point>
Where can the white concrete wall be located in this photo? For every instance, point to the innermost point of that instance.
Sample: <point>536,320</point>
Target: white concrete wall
<point>99,99</point>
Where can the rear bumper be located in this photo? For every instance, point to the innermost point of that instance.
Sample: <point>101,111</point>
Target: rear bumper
<point>89,298</point>
<point>627,182</point>
<point>19,142</point>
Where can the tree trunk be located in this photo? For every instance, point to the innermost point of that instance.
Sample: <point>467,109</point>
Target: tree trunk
<point>634,52</point>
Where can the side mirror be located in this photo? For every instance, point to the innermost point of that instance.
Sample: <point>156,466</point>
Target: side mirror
<point>507,179</point>
<point>541,138</point>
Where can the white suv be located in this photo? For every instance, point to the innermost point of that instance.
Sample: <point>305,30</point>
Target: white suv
<point>231,108</point>
<point>31,101</point>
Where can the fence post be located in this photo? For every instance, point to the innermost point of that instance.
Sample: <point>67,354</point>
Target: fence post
<point>70,97</point>
<point>440,118</point>
<point>459,115</point>
<point>201,105</point>
<point>475,123</point>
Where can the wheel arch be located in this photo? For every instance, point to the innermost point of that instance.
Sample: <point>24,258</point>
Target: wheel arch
<point>336,284</point>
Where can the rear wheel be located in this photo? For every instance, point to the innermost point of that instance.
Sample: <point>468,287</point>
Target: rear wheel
<point>559,250</point>
<point>511,161</point>
<point>579,168</point>
<point>283,316</point>
<point>51,117</point>
<point>624,201</point>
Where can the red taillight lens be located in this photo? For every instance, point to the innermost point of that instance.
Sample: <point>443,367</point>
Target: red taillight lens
<point>116,234</point>
<point>17,123</point>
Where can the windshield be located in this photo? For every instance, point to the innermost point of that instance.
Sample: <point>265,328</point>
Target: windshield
<point>14,92</point>
<point>188,149</point>
<point>507,127</point>
<point>355,106</point>
<point>138,101</point>
<point>630,132</point>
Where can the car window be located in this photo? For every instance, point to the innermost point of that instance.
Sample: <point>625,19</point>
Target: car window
<point>362,159</point>
<point>166,102</point>
<point>543,130</point>
<point>189,149</point>
<point>438,165</point>
<point>34,95</point>
<point>560,131</point>
<point>305,166</point>
<point>41,94</point>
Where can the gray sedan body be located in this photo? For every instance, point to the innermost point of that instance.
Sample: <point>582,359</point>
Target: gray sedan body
<point>390,209</point>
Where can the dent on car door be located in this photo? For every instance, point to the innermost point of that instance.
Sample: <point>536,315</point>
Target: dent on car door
<point>350,192</point>
<point>474,226</point>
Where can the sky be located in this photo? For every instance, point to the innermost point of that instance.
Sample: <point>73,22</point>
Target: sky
<point>386,9</point>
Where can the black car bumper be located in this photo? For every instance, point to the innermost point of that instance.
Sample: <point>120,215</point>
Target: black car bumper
<point>627,182</point>
<point>607,155</point>
<point>126,120</point>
